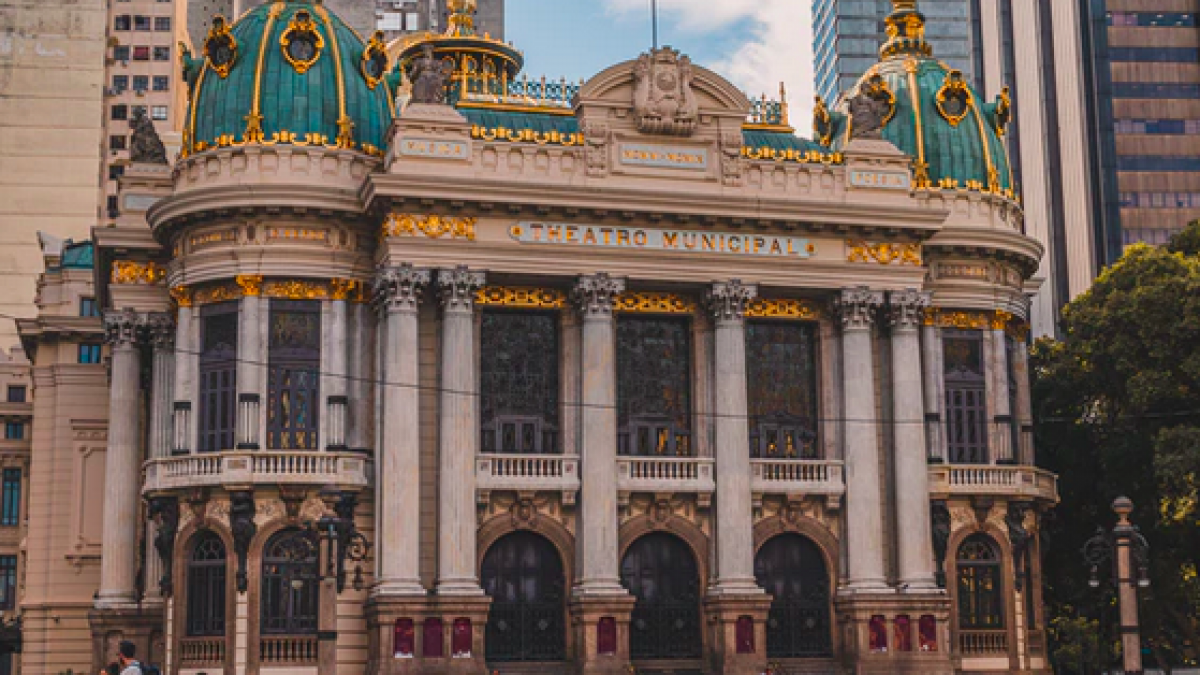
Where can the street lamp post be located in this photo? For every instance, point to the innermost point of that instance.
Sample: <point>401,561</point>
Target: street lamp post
<point>1123,547</point>
<point>331,541</point>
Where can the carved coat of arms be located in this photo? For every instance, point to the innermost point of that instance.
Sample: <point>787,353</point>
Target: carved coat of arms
<point>662,93</point>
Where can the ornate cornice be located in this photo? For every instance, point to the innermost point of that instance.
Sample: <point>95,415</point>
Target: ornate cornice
<point>432,226</point>
<point>727,300</point>
<point>857,306</point>
<point>769,308</point>
<point>883,253</point>
<point>528,298</point>
<point>159,328</point>
<point>457,287</point>
<point>400,288</point>
<point>350,290</point>
<point>130,272</point>
<point>906,309</point>
<point>1015,326</point>
<point>596,294</point>
<point>122,328</point>
<point>251,284</point>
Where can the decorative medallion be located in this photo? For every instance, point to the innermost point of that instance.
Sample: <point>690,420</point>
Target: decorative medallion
<point>663,100</point>
<point>861,251</point>
<point>374,60</point>
<point>1003,114</point>
<point>822,123</point>
<point>220,47</point>
<point>954,99</point>
<point>301,42</point>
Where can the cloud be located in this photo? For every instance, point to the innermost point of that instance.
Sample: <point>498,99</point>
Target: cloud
<point>775,45</point>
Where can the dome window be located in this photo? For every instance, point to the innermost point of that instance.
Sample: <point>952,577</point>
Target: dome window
<point>301,42</point>
<point>374,60</point>
<point>220,47</point>
<point>954,99</point>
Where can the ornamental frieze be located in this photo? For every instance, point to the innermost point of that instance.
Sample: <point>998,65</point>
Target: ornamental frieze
<point>527,298</point>
<point>768,308</point>
<point>431,226</point>
<point>285,289</point>
<point>883,253</point>
<point>129,272</point>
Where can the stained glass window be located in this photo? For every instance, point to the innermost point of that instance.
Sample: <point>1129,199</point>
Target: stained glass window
<point>293,387</point>
<point>654,406</point>
<point>781,376</point>
<point>206,586</point>
<point>218,376</point>
<point>980,603</point>
<point>519,383</point>
<point>966,396</point>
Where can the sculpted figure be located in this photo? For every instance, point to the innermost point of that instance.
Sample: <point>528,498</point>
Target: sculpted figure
<point>662,93</point>
<point>145,146</point>
<point>429,76</point>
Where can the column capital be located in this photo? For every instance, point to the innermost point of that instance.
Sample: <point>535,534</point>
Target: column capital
<point>594,294</point>
<point>159,330</point>
<point>456,288</point>
<point>857,307</point>
<point>122,328</point>
<point>727,299</point>
<point>906,308</point>
<point>400,288</point>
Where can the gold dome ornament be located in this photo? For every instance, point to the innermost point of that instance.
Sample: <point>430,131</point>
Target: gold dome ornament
<point>301,42</point>
<point>220,48</point>
<point>954,99</point>
<point>462,17</point>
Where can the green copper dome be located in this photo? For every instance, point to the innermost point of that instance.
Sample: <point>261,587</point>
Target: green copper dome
<point>930,112</point>
<point>289,73</point>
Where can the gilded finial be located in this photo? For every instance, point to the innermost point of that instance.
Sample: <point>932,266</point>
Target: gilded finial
<point>905,31</point>
<point>462,18</point>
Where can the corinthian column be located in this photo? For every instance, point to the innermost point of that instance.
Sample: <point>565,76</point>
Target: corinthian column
<point>251,366</point>
<point>458,433</point>
<point>160,329</point>
<point>598,551</point>
<point>735,544</point>
<point>398,293</point>
<point>864,518</point>
<point>905,313</point>
<point>122,470</point>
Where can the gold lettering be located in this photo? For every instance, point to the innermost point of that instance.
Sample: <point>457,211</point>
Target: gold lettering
<point>572,230</point>
<point>589,236</point>
<point>689,240</point>
<point>537,231</point>
<point>639,237</point>
<point>759,243</point>
<point>776,249</point>
<point>707,243</point>
<point>735,245</point>
<point>553,233</point>
<point>607,235</point>
<point>622,237</point>
<point>670,240</point>
<point>791,251</point>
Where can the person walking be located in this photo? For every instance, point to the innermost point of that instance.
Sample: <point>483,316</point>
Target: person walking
<point>126,656</point>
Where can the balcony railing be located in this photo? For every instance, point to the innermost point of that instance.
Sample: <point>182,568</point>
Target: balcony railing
<point>202,652</point>
<point>298,650</point>
<point>665,474</point>
<point>797,477</point>
<point>527,472</point>
<point>1009,481</point>
<point>270,467</point>
<point>982,642</point>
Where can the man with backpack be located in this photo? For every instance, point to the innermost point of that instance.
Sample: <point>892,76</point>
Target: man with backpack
<point>126,653</point>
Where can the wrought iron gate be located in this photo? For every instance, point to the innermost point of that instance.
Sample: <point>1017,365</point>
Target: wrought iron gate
<point>791,569</point>
<point>523,575</point>
<point>660,571</point>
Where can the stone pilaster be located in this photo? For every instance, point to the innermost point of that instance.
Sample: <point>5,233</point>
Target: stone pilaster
<point>998,392</point>
<point>735,545</point>
<point>122,470</point>
<point>187,385</point>
<point>335,358</point>
<point>599,603</point>
<point>857,308</point>
<point>934,389</point>
<point>398,293</point>
<point>251,366</point>
<point>458,434</point>
<point>160,331</point>
<point>1024,412</point>
<point>598,553</point>
<point>906,310</point>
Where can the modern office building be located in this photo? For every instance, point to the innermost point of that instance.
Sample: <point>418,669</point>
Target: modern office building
<point>846,35</point>
<point>578,378</point>
<point>403,18</point>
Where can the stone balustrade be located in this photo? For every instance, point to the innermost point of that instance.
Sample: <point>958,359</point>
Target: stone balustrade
<point>982,642</point>
<point>271,467</point>
<point>558,473</point>
<point>202,652</point>
<point>288,650</point>
<point>665,474</point>
<point>798,477</point>
<point>1018,482</point>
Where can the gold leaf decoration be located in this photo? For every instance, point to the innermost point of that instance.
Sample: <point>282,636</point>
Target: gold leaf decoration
<point>528,298</point>
<point>766,308</point>
<point>858,250</point>
<point>653,303</point>
<point>129,272</point>
<point>434,227</point>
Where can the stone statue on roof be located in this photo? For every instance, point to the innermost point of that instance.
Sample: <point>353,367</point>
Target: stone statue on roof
<point>145,147</point>
<point>429,75</point>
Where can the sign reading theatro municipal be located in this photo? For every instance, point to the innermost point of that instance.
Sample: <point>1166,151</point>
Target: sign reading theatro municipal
<point>419,365</point>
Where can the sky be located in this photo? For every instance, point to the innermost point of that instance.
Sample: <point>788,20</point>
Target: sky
<point>755,43</point>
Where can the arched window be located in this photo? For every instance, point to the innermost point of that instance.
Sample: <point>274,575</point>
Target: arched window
<point>980,601</point>
<point>289,588</point>
<point>206,586</point>
<point>660,571</point>
<point>218,376</point>
<point>523,575</point>
<point>791,569</point>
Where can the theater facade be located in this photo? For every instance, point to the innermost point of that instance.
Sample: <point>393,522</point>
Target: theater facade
<point>466,371</point>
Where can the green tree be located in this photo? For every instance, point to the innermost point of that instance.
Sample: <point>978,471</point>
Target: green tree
<point>1117,407</point>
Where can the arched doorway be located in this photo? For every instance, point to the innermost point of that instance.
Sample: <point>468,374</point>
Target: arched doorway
<point>660,571</point>
<point>523,574</point>
<point>792,570</point>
